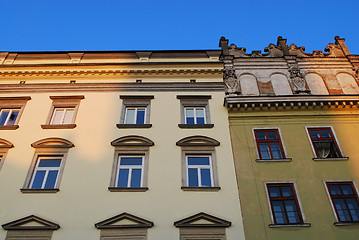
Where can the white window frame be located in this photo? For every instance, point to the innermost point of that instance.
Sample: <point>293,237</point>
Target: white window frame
<point>325,181</point>
<point>298,199</point>
<point>136,108</point>
<point>63,115</point>
<point>336,140</point>
<point>7,118</point>
<point>130,168</point>
<point>199,167</point>
<point>195,113</point>
<point>47,169</point>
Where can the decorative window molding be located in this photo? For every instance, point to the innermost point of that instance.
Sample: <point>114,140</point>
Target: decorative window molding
<point>30,227</point>
<point>282,196</point>
<point>124,226</point>
<point>4,148</point>
<point>47,166</point>
<point>195,111</point>
<point>199,165</point>
<point>324,143</point>
<point>63,112</point>
<point>130,166</point>
<point>344,200</point>
<point>135,111</point>
<point>202,226</point>
<point>269,145</point>
<point>11,109</point>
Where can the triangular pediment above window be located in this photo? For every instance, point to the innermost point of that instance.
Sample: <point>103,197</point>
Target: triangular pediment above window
<point>124,220</point>
<point>197,141</point>
<point>5,144</point>
<point>132,141</point>
<point>202,220</point>
<point>31,222</point>
<point>53,143</point>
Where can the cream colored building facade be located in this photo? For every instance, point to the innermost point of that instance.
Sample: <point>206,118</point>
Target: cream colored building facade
<point>114,145</point>
<point>293,120</point>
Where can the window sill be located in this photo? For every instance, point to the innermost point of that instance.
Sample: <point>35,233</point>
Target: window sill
<point>196,125</point>
<point>289,225</point>
<point>58,126</point>
<point>274,160</point>
<point>134,125</point>
<point>9,127</point>
<point>127,189</point>
<point>331,159</point>
<point>201,189</point>
<point>346,223</point>
<point>28,190</point>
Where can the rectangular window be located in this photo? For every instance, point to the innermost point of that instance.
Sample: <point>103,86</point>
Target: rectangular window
<point>284,203</point>
<point>199,171</point>
<point>269,144</point>
<point>324,143</point>
<point>8,116</point>
<point>345,201</point>
<point>195,115</point>
<point>62,115</point>
<point>46,172</point>
<point>130,171</point>
<point>135,115</point>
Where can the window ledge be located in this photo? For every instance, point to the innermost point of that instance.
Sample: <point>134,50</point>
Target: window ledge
<point>289,225</point>
<point>331,159</point>
<point>28,190</point>
<point>346,223</point>
<point>127,189</point>
<point>58,126</point>
<point>201,189</point>
<point>134,125</point>
<point>196,125</point>
<point>9,127</point>
<point>274,160</point>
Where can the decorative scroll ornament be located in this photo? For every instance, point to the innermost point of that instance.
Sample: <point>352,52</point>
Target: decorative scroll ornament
<point>297,79</point>
<point>231,81</point>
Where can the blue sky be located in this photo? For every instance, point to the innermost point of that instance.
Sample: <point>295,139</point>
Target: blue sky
<point>77,25</point>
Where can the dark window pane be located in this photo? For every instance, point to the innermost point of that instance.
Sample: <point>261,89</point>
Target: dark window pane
<point>38,179</point>
<point>50,163</point>
<point>287,191</point>
<point>264,148</point>
<point>200,116</point>
<point>314,133</point>
<point>136,178</point>
<point>131,161</point>
<point>346,189</point>
<point>261,135</point>
<point>272,135</point>
<point>325,134</point>
<point>276,151</point>
<point>51,179</point>
<point>200,120</point>
<point>13,117</point>
<point>189,116</point>
<point>192,177</point>
<point>140,116</point>
<point>3,117</point>
<point>334,190</point>
<point>274,192</point>
<point>122,178</point>
<point>198,160</point>
<point>206,178</point>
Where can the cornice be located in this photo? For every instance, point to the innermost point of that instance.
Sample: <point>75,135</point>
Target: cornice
<point>98,87</point>
<point>291,102</point>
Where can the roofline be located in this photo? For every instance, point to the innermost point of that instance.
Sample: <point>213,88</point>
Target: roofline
<point>113,51</point>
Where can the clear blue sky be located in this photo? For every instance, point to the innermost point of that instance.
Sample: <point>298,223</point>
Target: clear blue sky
<point>62,25</point>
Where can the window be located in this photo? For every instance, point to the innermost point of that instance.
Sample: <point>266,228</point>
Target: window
<point>344,200</point>
<point>135,112</point>
<point>47,166</point>
<point>199,163</point>
<point>11,109</point>
<point>284,204</point>
<point>199,171</point>
<point>130,167</point>
<point>4,148</point>
<point>194,111</point>
<point>63,112</point>
<point>130,171</point>
<point>269,144</point>
<point>8,117</point>
<point>46,172</point>
<point>323,142</point>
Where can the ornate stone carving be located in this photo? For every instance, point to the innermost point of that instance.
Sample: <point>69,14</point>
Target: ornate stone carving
<point>231,81</point>
<point>297,79</point>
